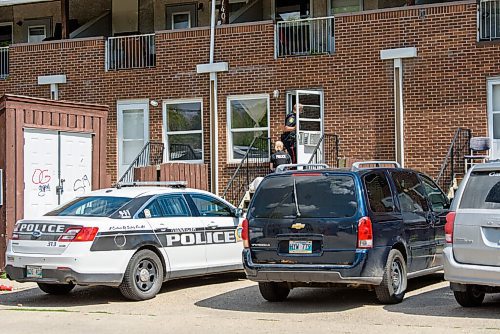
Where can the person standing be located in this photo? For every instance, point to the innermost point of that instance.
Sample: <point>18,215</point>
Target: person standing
<point>279,157</point>
<point>289,136</point>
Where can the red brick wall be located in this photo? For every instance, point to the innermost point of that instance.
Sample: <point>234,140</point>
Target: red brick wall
<point>444,87</point>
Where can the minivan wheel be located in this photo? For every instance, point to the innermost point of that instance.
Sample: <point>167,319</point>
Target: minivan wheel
<point>56,289</point>
<point>471,297</point>
<point>273,291</point>
<point>393,287</point>
<point>144,276</point>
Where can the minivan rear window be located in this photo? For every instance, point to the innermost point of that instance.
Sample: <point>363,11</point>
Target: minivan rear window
<point>318,196</point>
<point>482,191</point>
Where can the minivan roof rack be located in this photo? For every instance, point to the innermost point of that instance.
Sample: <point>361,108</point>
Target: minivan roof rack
<point>375,164</point>
<point>171,184</point>
<point>285,167</point>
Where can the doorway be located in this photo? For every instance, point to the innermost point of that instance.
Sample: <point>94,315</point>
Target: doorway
<point>494,117</point>
<point>309,124</point>
<point>57,168</point>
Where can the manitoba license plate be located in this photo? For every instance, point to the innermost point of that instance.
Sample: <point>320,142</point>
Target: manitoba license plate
<point>300,247</point>
<point>33,272</point>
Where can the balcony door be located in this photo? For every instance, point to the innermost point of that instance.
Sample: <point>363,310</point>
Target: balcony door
<point>494,117</point>
<point>309,124</point>
<point>133,131</point>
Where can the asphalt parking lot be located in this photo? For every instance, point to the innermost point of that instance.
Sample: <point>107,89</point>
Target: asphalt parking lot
<point>230,303</point>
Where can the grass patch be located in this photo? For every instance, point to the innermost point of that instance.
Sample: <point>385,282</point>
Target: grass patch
<point>24,309</point>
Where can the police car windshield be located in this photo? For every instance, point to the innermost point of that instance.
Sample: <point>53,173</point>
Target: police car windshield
<point>95,206</point>
<point>305,195</point>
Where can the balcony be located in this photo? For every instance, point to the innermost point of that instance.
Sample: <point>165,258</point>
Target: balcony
<point>4,62</point>
<point>130,52</point>
<point>488,20</point>
<point>304,37</point>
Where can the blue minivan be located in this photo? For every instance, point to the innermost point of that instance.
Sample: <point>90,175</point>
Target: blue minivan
<point>372,228</point>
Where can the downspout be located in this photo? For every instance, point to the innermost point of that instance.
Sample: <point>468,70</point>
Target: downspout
<point>214,130</point>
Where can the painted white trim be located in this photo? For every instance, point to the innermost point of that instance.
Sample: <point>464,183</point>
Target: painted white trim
<point>489,101</point>
<point>126,105</point>
<point>51,79</point>
<point>213,67</point>
<point>398,53</point>
<point>165,133</point>
<point>181,13</point>
<point>229,131</point>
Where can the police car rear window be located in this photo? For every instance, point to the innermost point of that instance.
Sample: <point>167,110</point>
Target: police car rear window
<point>482,191</point>
<point>318,196</point>
<point>95,206</point>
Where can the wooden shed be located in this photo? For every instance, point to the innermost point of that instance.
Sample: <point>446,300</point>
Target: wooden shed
<point>50,152</point>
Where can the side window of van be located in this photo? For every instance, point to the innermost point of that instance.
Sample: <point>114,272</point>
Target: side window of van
<point>379,192</point>
<point>411,195</point>
<point>439,202</point>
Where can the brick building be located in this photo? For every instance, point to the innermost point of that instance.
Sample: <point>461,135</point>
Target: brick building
<point>391,81</point>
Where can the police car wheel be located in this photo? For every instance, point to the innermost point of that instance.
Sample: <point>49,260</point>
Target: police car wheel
<point>143,277</point>
<point>56,289</point>
<point>274,291</point>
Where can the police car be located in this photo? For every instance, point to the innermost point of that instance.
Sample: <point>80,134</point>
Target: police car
<point>132,238</point>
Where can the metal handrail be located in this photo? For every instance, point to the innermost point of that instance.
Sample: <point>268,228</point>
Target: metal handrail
<point>151,153</point>
<point>454,161</point>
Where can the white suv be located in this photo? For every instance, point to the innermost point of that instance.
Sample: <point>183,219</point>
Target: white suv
<point>472,255</point>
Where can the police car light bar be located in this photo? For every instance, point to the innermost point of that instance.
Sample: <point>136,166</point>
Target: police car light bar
<point>375,164</point>
<point>285,167</point>
<point>171,184</point>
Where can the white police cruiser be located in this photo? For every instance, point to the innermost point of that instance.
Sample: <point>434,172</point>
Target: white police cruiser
<point>133,238</point>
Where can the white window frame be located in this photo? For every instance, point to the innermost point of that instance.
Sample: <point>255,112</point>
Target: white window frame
<point>119,123</point>
<point>181,13</point>
<point>37,26</point>
<point>230,131</point>
<point>5,24</point>
<point>165,132</point>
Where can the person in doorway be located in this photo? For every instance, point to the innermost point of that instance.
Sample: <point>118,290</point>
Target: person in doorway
<point>289,136</point>
<point>279,157</point>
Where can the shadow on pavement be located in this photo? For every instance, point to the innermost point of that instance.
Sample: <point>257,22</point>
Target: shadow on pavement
<point>98,295</point>
<point>304,300</point>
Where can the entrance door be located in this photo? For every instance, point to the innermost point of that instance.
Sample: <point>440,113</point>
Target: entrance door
<point>133,132</point>
<point>309,121</point>
<point>75,165</point>
<point>57,168</point>
<point>494,117</point>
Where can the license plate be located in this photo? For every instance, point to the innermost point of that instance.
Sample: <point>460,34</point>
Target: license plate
<point>300,247</point>
<point>33,272</point>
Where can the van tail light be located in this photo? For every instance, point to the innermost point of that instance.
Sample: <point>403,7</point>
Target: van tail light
<point>365,233</point>
<point>244,233</point>
<point>448,227</point>
<point>79,234</point>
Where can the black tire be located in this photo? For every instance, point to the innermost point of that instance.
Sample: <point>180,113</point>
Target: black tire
<point>144,276</point>
<point>56,289</point>
<point>394,282</point>
<point>273,291</point>
<point>471,297</point>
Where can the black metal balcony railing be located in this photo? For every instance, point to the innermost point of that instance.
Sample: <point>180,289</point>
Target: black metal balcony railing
<point>151,154</point>
<point>4,62</point>
<point>488,20</point>
<point>305,37</point>
<point>130,52</point>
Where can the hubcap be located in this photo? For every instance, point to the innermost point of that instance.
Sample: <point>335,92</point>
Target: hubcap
<point>146,274</point>
<point>396,276</point>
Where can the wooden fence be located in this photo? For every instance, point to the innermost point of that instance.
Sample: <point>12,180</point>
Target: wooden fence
<point>196,175</point>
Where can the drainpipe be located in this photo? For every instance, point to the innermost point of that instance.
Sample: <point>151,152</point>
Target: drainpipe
<point>213,68</point>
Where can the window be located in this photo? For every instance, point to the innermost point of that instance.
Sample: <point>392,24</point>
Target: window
<point>439,201</point>
<point>5,34</point>
<point>379,192</point>
<point>346,6</point>
<point>248,118</point>
<point>211,207</point>
<point>181,20</point>
<point>482,191</point>
<point>321,196</point>
<point>36,34</point>
<point>411,194</point>
<point>166,206</point>
<point>96,206</point>
<point>183,130</point>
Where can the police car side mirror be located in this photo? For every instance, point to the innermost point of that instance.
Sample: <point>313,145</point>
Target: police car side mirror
<point>238,213</point>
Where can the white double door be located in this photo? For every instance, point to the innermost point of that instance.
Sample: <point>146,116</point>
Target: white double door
<point>57,168</point>
<point>309,124</point>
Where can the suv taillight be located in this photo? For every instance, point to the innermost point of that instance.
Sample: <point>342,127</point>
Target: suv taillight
<point>365,233</point>
<point>448,227</point>
<point>79,234</point>
<point>244,233</point>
